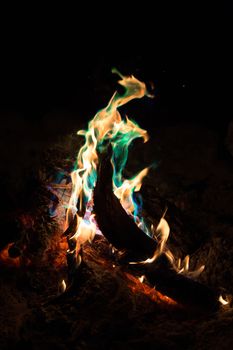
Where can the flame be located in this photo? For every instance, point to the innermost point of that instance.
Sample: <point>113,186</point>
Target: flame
<point>222,301</point>
<point>141,279</point>
<point>106,127</point>
<point>161,234</point>
<point>63,286</point>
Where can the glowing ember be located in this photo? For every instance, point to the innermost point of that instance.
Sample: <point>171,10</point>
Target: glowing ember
<point>59,259</point>
<point>6,259</point>
<point>137,286</point>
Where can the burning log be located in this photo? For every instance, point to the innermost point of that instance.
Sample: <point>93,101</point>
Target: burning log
<point>113,221</point>
<point>101,161</point>
<point>122,233</point>
<point>179,287</point>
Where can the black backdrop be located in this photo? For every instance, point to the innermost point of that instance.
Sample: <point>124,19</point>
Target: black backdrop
<point>55,76</point>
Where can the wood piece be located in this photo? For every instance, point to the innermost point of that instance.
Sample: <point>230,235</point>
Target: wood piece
<point>112,219</point>
<point>122,233</point>
<point>179,287</point>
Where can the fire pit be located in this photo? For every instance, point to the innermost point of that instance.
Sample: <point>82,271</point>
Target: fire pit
<point>95,264</point>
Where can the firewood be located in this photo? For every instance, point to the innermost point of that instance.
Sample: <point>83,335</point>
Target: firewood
<point>121,231</point>
<point>179,287</point>
<point>116,225</point>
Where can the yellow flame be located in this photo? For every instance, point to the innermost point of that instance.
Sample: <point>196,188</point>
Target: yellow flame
<point>161,234</point>
<point>123,193</point>
<point>105,125</point>
<point>222,301</point>
<point>63,286</point>
<point>85,230</point>
<point>142,278</point>
<point>162,231</point>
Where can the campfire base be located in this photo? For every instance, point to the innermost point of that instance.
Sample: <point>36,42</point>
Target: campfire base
<point>105,305</point>
<point>107,309</point>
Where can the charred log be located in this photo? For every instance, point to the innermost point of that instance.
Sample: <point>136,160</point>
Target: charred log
<point>179,287</point>
<point>113,221</point>
<point>122,233</point>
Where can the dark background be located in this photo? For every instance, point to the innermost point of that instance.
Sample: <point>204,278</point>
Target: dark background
<point>56,73</point>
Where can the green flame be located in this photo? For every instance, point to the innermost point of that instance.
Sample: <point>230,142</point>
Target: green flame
<point>106,127</point>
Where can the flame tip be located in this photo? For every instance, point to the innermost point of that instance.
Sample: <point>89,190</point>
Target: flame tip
<point>222,300</point>
<point>63,286</point>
